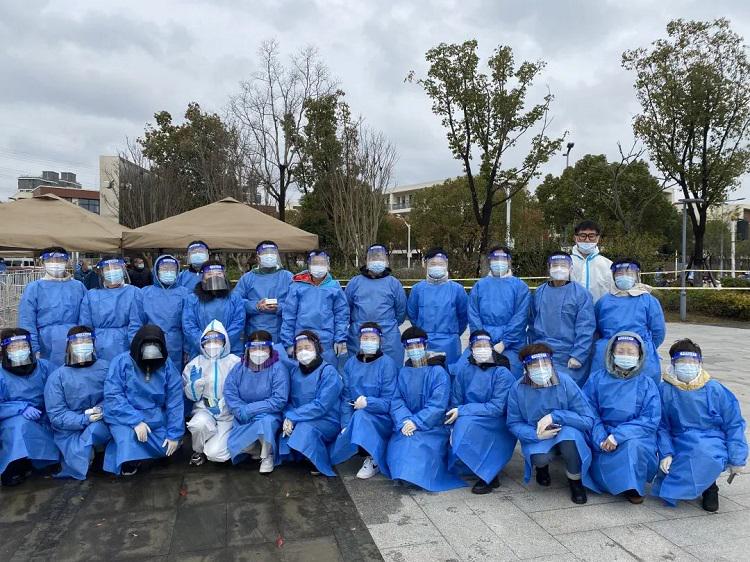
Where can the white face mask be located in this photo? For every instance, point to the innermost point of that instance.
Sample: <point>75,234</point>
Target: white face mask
<point>306,356</point>
<point>259,356</point>
<point>151,351</point>
<point>482,354</point>
<point>318,271</point>
<point>559,273</point>
<point>55,269</point>
<point>213,349</point>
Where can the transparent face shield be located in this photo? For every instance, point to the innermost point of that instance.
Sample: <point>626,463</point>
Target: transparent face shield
<point>626,275</point>
<point>212,344</point>
<point>687,365</point>
<point>112,273</point>
<point>167,271</point>
<point>437,267</point>
<point>481,348</point>
<point>80,349</point>
<point>197,255</point>
<point>268,256</point>
<point>499,262</point>
<point>377,259</point>
<point>416,351</point>
<point>539,370</point>
<point>55,264</point>
<point>369,340</point>
<point>257,353</point>
<point>17,350</point>
<point>560,267</point>
<point>626,353</point>
<point>319,265</point>
<point>213,278</point>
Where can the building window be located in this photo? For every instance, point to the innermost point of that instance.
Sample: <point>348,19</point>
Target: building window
<point>89,204</point>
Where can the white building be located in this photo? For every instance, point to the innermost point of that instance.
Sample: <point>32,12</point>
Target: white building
<point>400,197</point>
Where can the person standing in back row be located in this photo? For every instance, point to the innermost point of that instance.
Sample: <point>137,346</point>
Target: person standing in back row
<point>590,268</point>
<point>197,255</point>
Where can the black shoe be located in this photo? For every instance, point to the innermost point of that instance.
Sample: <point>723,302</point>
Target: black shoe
<point>10,480</point>
<point>711,498</point>
<point>577,492</point>
<point>130,468</point>
<point>198,459</point>
<point>634,497</point>
<point>542,476</point>
<point>481,488</point>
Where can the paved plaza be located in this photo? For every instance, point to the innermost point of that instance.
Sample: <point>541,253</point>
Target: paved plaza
<point>173,512</point>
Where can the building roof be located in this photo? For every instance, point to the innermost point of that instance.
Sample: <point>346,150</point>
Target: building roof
<point>66,192</point>
<point>416,186</point>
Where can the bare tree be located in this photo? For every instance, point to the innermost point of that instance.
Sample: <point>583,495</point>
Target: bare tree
<point>269,113</point>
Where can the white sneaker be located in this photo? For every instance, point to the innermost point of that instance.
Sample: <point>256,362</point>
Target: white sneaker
<point>266,465</point>
<point>368,470</point>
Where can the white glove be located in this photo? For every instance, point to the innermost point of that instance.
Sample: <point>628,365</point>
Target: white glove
<point>171,446</point>
<point>95,417</point>
<point>609,444</point>
<point>287,428</point>
<point>343,431</point>
<point>499,347</point>
<point>141,431</point>
<point>290,351</point>
<point>542,424</point>
<point>665,463</point>
<point>451,415</point>
<point>735,469</point>
<point>340,348</point>
<point>574,363</point>
<point>548,433</point>
<point>360,403</point>
<point>408,428</point>
<point>94,410</point>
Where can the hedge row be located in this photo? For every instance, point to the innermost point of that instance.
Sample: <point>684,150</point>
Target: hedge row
<point>722,304</point>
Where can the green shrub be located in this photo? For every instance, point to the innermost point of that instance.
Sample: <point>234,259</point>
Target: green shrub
<point>722,304</point>
<point>734,282</point>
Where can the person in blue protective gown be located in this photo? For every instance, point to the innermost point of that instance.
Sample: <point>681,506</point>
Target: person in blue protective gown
<point>702,431</point>
<point>256,392</point>
<point>197,255</point>
<point>439,306</point>
<point>142,404</point>
<point>212,300</point>
<point>204,380</point>
<point>113,311</point>
<point>51,306</point>
<point>376,296</point>
<point>316,302</point>
<point>550,415</point>
<point>499,304</point>
<point>74,397</point>
<point>264,290</point>
<point>480,438</point>
<point>418,448</point>
<point>162,303</point>
<point>369,384</point>
<point>628,410</point>
<point>26,439</point>
<point>630,307</point>
<point>562,316</point>
<point>311,418</point>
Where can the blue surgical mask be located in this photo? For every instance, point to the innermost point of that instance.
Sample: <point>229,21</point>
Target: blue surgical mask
<point>686,372</point>
<point>626,362</point>
<point>437,271</point>
<point>369,347</point>
<point>416,354</point>
<point>19,356</point>
<point>586,247</point>
<point>82,349</point>
<point>198,258</point>
<point>499,267</point>
<point>540,375</point>
<point>624,282</point>
<point>376,266</point>
<point>114,276</point>
<point>168,277</point>
<point>268,261</point>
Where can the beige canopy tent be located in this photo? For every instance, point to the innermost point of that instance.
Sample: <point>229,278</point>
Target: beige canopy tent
<point>47,220</point>
<point>224,225</point>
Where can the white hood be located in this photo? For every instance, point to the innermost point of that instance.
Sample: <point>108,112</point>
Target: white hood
<point>216,326</point>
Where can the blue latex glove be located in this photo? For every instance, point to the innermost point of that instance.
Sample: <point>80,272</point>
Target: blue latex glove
<point>31,413</point>
<point>215,410</point>
<point>196,373</point>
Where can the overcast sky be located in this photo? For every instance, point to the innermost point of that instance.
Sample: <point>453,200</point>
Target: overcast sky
<point>78,77</point>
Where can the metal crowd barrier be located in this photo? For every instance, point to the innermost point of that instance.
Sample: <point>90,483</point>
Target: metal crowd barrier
<point>12,285</point>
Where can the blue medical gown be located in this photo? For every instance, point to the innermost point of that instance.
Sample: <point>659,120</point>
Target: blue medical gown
<point>256,400</point>
<point>422,395</point>
<point>69,392</point>
<point>440,309</point>
<point>322,309</point>
<point>563,318</point>
<point>21,438</point>
<point>569,408</point>
<point>704,432</point>
<point>629,410</point>
<point>163,306</point>
<point>642,315</point>
<point>370,427</point>
<point>255,286</point>
<point>131,398</point>
<point>48,309</point>
<point>377,300</point>
<point>500,305</point>
<point>480,436</point>
<point>189,279</point>
<point>110,313</point>
<point>198,314</point>
<point>314,409</point>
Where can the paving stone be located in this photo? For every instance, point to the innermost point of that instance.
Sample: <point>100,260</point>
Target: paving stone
<point>405,531</point>
<point>685,532</point>
<point>723,550</point>
<point>200,527</point>
<point>644,543</point>
<point>434,551</point>
<point>594,546</point>
<point>590,517</point>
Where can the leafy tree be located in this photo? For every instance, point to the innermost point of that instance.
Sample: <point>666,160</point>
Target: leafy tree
<point>694,90</point>
<point>485,115</point>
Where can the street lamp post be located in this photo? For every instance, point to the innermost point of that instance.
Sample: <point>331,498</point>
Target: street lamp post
<point>569,146</point>
<point>508,241</point>
<point>732,234</point>
<point>408,241</point>
<point>683,276</point>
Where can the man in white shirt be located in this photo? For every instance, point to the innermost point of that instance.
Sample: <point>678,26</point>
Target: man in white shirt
<point>590,268</point>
